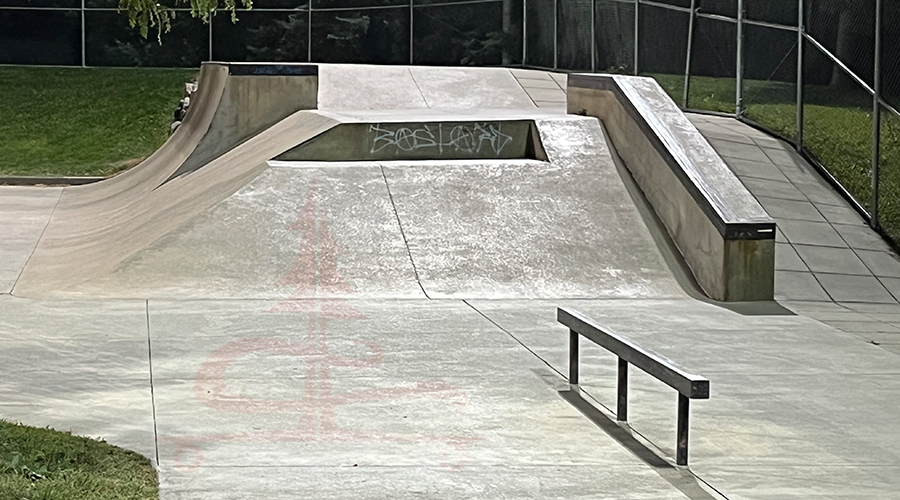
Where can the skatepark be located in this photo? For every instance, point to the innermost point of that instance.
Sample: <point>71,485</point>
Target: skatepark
<point>342,281</point>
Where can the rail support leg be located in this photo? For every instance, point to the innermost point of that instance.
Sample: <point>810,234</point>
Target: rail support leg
<point>622,400</point>
<point>573,357</point>
<point>684,409</point>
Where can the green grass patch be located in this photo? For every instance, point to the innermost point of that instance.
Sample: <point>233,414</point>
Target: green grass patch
<point>43,464</point>
<point>84,121</point>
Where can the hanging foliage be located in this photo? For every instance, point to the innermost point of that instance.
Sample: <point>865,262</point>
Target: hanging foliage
<point>151,14</point>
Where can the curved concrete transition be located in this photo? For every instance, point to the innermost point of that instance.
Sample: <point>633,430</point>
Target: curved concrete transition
<point>275,326</point>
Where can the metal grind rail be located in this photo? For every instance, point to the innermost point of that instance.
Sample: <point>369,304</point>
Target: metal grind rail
<point>689,386</point>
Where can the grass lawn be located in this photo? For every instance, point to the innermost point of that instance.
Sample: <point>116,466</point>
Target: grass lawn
<point>837,129</point>
<point>43,464</point>
<point>84,122</point>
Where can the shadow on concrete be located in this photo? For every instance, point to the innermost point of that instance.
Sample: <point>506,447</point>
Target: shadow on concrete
<point>679,477</point>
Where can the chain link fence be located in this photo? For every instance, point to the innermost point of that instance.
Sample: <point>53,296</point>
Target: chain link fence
<point>821,73</point>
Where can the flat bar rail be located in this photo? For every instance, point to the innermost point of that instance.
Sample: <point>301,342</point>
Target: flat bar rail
<point>688,385</point>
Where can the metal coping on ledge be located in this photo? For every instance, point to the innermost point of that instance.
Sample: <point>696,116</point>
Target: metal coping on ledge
<point>729,230</point>
<point>48,181</point>
<point>272,69</point>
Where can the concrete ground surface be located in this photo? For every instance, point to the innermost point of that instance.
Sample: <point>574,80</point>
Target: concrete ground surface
<point>387,329</point>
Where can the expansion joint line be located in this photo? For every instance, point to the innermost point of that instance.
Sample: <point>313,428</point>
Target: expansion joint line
<point>38,242</point>
<point>402,232</point>
<point>152,392</point>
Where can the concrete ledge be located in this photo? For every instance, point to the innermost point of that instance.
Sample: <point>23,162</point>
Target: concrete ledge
<point>47,181</point>
<point>725,236</point>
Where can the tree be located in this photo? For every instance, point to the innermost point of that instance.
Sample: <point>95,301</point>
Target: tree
<point>150,14</point>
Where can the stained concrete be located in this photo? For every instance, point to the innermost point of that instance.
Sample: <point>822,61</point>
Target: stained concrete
<point>286,338</point>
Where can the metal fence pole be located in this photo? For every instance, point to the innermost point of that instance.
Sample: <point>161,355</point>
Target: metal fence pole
<point>210,54</point>
<point>593,36</point>
<point>876,117</point>
<point>524,31</point>
<point>637,32</point>
<point>739,69</point>
<point>83,38</point>
<point>555,34</point>
<point>687,62</point>
<point>412,25</point>
<point>309,33</point>
<point>801,28</point>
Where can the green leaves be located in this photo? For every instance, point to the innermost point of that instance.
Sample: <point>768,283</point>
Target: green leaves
<point>149,14</point>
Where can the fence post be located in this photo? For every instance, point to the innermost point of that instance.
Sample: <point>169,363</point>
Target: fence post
<point>593,36</point>
<point>555,34</point>
<point>739,70</point>
<point>309,33</point>
<point>801,28</point>
<point>524,31</point>
<point>876,117</point>
<point>412,25</point>
<point>687,62</point>
<point>210,55</point>
<point>83,38</point>
<point>637,33</point>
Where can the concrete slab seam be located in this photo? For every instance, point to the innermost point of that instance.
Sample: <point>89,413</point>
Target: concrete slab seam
<point>152,394</point>
<point>402,232</point>
<point>36,243</point>
<point>524,89</point>
<point>413,78</point>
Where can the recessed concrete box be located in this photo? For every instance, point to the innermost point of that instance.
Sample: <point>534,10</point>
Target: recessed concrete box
<point>725,236</point>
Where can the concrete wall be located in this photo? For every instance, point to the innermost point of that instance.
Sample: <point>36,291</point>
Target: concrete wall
<point>725,236</point>
<point>255,97</point>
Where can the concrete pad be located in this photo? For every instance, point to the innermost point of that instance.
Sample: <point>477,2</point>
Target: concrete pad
<point>892,285</point>
<point>790,209</point>
<point>78,365</point>
<point>279,225</point>
<point>546,95</point>
<point>357,86</point>
<point>840,214</point>
<point>464,88</point>
<point>561,78</point>
<point>864,327</point>
<point>831,260</point>
<point>759,170</point>
<point>786,259</point>
<point>791,285</point>
<point>882,264</point>
<point>729,149</point>
<point>862,238</point>
<point>119,411</point>
<point>531,74</point>
<point>497,230</point>
<point>449,482</point>
<point>24,213</point>
<point>845,288</point>
<point>773,189</point>
<point>783,156</point>
<point>811,233</point>
<point>542,83</point>
<point>844,482</point>
<point>551,105</point>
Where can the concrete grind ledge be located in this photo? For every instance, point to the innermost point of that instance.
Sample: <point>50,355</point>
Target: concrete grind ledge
<point>724,235</point>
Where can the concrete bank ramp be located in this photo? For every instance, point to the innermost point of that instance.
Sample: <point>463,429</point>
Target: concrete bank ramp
<point>566,227</point>
<point>554,220</point>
